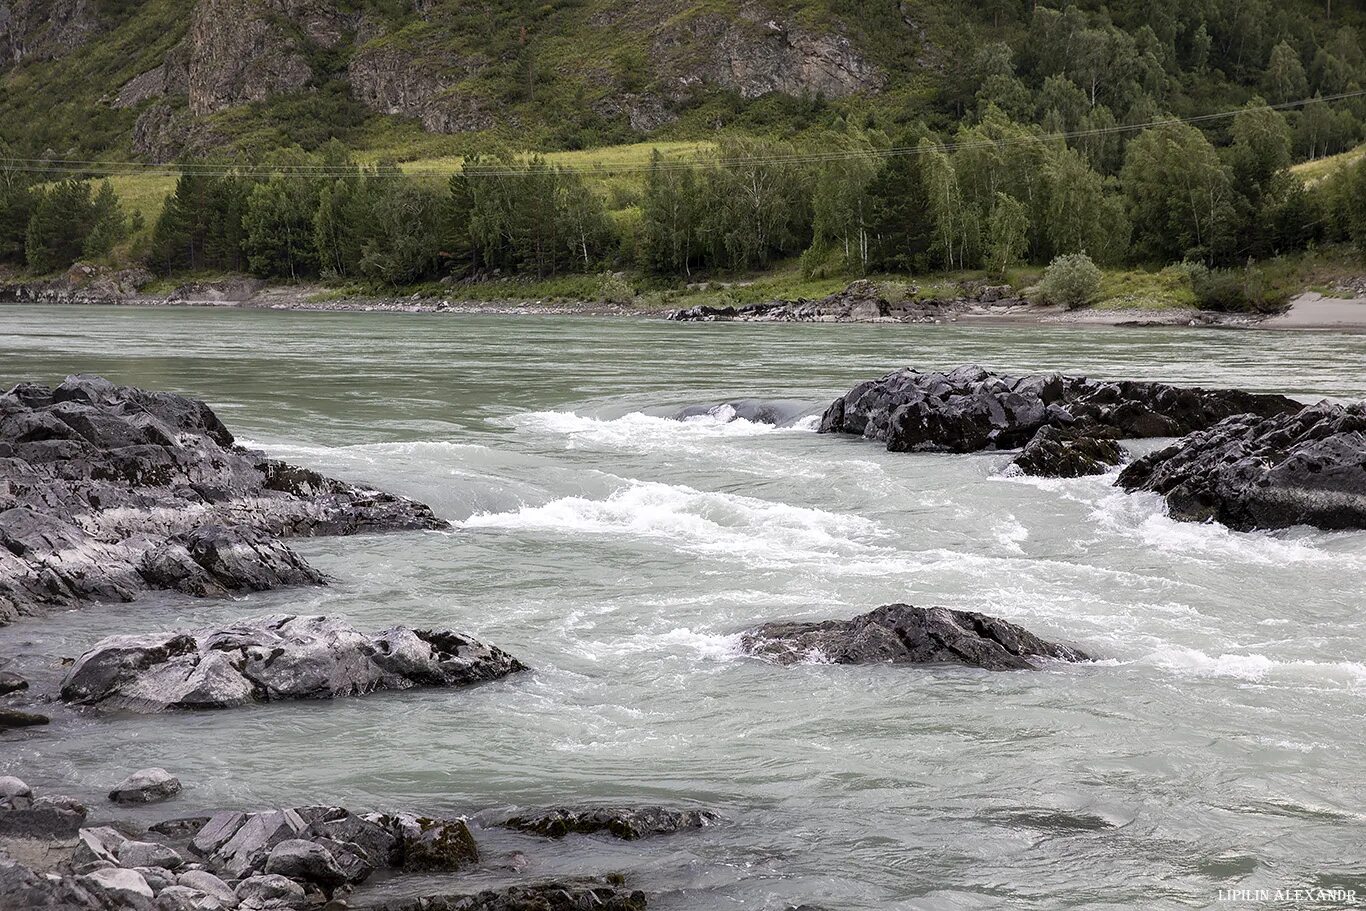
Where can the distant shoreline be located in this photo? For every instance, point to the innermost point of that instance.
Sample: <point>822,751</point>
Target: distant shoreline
<point>1309,311</point>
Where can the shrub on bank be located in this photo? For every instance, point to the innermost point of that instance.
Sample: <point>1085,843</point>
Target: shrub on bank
<point>1071,281</point>
<point>1244,290</point>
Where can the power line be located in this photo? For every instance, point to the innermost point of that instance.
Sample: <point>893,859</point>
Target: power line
<point>89,168</point>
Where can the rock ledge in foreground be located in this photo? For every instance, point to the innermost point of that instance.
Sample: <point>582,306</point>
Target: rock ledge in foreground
<point>902,634</point>
<point>107,491</point>
<point>273,658</point>
<point>1307,468</point>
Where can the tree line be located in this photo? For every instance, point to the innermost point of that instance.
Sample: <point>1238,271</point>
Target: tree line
<point>992,195</point>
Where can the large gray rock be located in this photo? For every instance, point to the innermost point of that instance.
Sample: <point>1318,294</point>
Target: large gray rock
<point>622,822</point>
<point>971,409</point>
<point>205,883</point>
<point>13,718</point>
<point>305,862</point>
<point>41,817</point>
<point>119,883</point>
<point>107,491</point>
<point>1306,468</point>
<point>11,682</point>
<point>269,891</point>
<point>273,658</point>
<point>24,889</point>
<point>1073,452</point>
<point>902,634</point>
<point>149,854</point>
<point>146,786</point>
<point>427,843</point>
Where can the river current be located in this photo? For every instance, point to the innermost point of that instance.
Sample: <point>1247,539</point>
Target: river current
<point>1216,745</point>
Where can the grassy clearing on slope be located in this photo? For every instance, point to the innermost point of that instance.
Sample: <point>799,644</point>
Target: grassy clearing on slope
<point>1312,172</point>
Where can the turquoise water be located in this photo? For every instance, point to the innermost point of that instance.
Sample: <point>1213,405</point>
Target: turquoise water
<point>1216,745</point>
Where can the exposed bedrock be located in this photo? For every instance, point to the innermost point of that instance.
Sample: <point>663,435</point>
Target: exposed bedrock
<point>1249,472</point>
<point>273,658</point>
<point>902,634</point>
<point>107,491</point>
<point>971,409</point>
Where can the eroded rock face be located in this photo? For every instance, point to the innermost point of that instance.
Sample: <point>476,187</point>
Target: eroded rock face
<point>390,81</point>
<point>621,822</point>
<point>33,30</point>
<point>755,55</point>
<point>238,54</point>
<point>1249,472</point>
<point>902,634</point>
<point>1073,452</point>
<point>107,491</point>
<point>274,658</point>
<point>971,409</point>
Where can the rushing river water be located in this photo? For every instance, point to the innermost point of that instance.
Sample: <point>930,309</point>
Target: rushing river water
<point>1216,745</point>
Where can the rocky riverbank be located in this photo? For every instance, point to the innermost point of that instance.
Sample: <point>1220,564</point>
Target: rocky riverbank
<point>107,491</point>
<point>974,302</point>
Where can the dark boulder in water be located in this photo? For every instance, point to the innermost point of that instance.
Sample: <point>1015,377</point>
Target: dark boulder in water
<point>274,658</point>
<point>107,491</point>
<point>1249,472</point>
<point>1073,452</point>
<point>621,822</point>
<point>971,409</point>
<point>902,634</point>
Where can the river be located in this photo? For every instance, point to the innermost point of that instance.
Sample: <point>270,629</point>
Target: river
<point>1217,744</point>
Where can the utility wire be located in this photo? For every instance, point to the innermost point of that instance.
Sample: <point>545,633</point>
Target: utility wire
<point>90,168</point>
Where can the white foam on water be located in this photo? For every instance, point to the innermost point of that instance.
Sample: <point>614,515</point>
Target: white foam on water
<point>1255,667</point>
<point>374,453</point>
<point>757,531</point>
<point>638,431</point>
<point>1011,533</point>
<point>1143,518</point>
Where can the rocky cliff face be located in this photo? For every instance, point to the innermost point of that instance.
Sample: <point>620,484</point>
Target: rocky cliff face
<point>238,54</point>
<point>33,30</point>
<point>391,81</point>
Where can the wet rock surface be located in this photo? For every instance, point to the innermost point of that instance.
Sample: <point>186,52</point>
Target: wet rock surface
<point>861,302</point>
<point>1250,472</point>
<point>107,491</point>
<point>602,894</point>
<point>273,658</point>
<point>903,634</point>
<point>627,823</point>
<point>971,409</point>
<point>146,786</point>
<point>1073,452</point>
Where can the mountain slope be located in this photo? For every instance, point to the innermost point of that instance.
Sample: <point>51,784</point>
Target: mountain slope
<point>158,79</point>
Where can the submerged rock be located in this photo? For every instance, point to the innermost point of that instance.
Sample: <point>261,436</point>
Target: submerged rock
<point>1068,453</point>
<point>146,786</point>
<point>1248,472</point>
<point>13,718</point>
<point>971,409</point>
<point>11,682</point>
<point>273,658</point>
<point>902,634</point>
<point>621,822</point>
<point>107,491</point>
<point>776,412</point>
<point>608,893</point>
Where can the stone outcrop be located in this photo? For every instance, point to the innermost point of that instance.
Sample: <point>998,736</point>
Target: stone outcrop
<point>971,409</point>
<point>1249,472</point>
<point>754,54</point>
<point>107,491</point>
<point>861,302</point>
<point>902,634</point>
<point>628,823</point>
<point>24,815</point>
<point>388,80</point>
<point>239,53</point>
<point>274,658</point>
<point>36,30</point>
<point>1056,452</point>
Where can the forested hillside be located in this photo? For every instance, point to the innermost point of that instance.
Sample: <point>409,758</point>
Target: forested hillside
<point>861,135</point>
